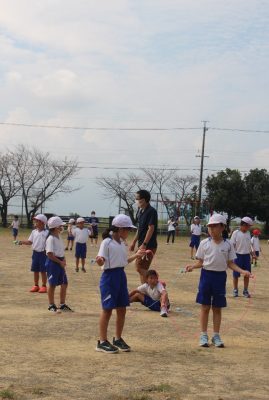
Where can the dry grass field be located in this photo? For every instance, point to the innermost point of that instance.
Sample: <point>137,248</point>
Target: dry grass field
<point>53,357</point>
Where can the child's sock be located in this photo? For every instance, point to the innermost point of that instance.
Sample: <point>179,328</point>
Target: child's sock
<point>204,333</point>
<point>215,333</point>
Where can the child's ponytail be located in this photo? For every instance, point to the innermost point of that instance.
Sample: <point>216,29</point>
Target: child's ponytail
<point>108,232</point>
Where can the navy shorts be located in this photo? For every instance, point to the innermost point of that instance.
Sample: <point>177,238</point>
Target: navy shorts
<point>195,241</point>
<point>56,274</point>
<point>81,250</point>
<point>243,261</point>
<point>212,288</point>
<point>38,261</point>
<point>15,231</point>
<point>113,288</point>
<point>257,253</point>
<point>153,305</point>
<point>70,238</point>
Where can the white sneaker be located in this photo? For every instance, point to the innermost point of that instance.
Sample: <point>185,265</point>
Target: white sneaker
<point>164,312</point>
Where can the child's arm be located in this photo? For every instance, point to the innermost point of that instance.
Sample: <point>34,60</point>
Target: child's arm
<point>55,259</point>
<point>26,242</point>
<point>139,253</point>
<point>133,292</point>
<point>191,267</point>
<point>100,261</point>
<point>235,267</point>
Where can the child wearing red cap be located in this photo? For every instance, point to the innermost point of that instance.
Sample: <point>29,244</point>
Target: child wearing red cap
<point>255,246</point>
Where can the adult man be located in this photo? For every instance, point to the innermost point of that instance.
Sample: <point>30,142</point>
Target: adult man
<point>146,235</point>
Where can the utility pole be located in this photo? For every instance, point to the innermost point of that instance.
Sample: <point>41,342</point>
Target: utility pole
<point>202,165</point>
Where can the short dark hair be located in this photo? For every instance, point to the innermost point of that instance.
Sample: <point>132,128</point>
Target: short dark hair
<point>152,272</point>
<point>144,194</point>
<point>92,212</point>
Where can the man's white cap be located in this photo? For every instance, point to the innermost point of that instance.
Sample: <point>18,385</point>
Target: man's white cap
<point>216,219</point>
<point>247,220</point>
<point>196,217</point>
<point>54,222</point>
<point>42,218</point>
<point>123,221</point>
<point>71,221</point>
<point>80,219</point>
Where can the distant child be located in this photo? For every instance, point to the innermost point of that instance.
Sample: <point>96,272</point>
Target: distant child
<point>241,241</point>
<point>172,224</point>
<point>214,256</point>
<point>70,234</point>
<point>94,221</point>
<point>196,231</point>
<point>81,236</point>
<point>255,246</point>
<point>56,265</point>
<point>15,227</point>
<point>38,239</point>
<point>112,256</point>
<point>152,294</point>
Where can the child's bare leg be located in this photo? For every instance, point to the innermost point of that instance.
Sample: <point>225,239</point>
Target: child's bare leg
<point>44,278</point>
<point>103,324</point>
<point>36,278</point>
<point>164,300</point>
<point>63,293</point>
<point>51,291</point>
<point>204,317</point>
<point>83,262</point>
<point>142,274</point>
<point>216,319</point>
<point>235,282</point>
<point>137,297</point>
<point>192,248</point>
<point>120,319</point>
<point>246,282</point>
<point>77,262</point>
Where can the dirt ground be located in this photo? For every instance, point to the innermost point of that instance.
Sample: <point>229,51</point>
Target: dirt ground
<point>45,356</point>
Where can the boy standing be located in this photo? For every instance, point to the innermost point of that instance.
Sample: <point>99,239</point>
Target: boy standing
<point>94,221</point>
<point>196,232</point>
<point>15,227</point>
<point>81,235</point>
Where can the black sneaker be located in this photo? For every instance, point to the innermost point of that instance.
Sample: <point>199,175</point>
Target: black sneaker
<point>121,345</point>
<point>106,347</point>
<point>65,308</point>
<point>52,308</point>
<point>83,269</point>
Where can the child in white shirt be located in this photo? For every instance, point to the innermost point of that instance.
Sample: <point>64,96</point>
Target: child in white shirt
<point>81,235</point>
<point>255,246</point>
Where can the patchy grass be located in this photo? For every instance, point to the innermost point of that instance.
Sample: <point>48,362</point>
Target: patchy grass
<point>7,394</point>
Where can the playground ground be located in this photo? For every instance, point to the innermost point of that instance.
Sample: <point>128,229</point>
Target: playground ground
<point>45,356</point>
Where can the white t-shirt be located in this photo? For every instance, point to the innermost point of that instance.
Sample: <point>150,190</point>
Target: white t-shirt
<point>215,256</point>
<point>171,226</point>
<point>15,224</point>
<point>196,229</point>
<point>81,235</point>
<point>154,293</point>
<point>55,245</point>
<point>38,239</point>
<point>114,253</point>
<point>255,243</point>
<point>241,242</point>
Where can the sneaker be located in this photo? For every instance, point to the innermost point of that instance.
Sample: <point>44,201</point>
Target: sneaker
<point>76,269</point>
<point>106,347</point>
<point>204,340</point>
<point>66,248</point>
<point>216,340</point>
<point>53,308</point>
<point>164,312</point>
<point>43,289</point>
<point>83,269</point>
<point>65,308</point>
<point>121,345</point>
<point>35,288</point>
<point>246,293</point>
<point>235,293</point>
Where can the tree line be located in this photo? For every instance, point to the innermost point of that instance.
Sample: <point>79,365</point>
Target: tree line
<point>33,176</point>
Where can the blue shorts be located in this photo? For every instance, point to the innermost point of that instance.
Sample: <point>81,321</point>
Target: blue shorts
<point>15,231</point>
<point>56,274</point>
<point>38,261</point>
<point>212,288</point>
<point>154,305</point>
<point>243,261</point>
<point>113,288</point>
<point>81,250</point>
<point>72,238</point>
<point>195,241</point>
<point>257,253</point>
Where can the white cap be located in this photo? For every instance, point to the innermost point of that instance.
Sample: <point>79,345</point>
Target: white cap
<point>216,219</point>
<point>123,221</point>
<point>42,218</point>
<point>54,222</point>
<point>71,221</point>
<point>80,219</point>
<point>196,217</point>
<point>247,220</point>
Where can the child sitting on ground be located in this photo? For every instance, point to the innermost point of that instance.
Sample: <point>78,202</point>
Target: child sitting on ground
<point>152,294</point>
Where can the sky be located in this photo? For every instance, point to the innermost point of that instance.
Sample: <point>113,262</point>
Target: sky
<point>135,64</point>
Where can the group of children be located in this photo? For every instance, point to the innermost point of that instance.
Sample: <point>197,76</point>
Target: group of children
<point>214,256</point>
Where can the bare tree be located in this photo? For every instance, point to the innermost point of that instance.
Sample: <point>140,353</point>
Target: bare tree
<point>122,188</point>
<point>41,178</point>
<point>9,183</point>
